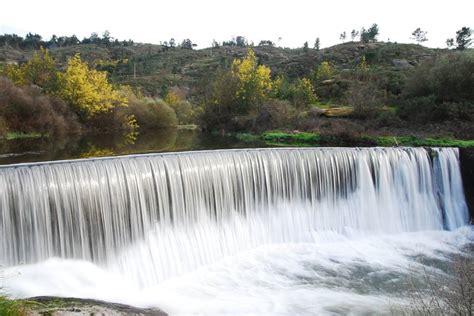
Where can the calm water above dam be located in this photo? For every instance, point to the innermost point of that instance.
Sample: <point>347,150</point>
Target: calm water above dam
<point>73,147</point>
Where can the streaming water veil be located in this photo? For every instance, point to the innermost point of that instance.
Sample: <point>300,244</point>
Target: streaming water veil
<point>157,216</point>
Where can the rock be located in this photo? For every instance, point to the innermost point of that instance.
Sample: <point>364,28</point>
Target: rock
<point>68,306</point>
<point>401,64</point>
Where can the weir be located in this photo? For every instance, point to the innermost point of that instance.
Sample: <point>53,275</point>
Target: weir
<point>158,215</point>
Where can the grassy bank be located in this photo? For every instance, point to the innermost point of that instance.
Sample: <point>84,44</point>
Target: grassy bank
<point>280,138</point>
<point>9,307</point>
<point>16,135</point>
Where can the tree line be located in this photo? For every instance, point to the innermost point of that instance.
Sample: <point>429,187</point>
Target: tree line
<point>461,41</point>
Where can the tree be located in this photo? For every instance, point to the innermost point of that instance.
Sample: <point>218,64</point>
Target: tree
<point>316,43</point>
<point>266,43</point>
<point>325,71</point>
<point>450,42</point>
<point>369,35</point>
<point>187,44</point>
<point>254,81</point>
<point>354,34</point>
<point>463,38</point>
<point>40,71</point>
<point>305,46</point>
<point>172,43</point>
<point>419,35</point>
<point>88,90</point>
<point>32,41</point>
<point>241,41</point>
<point>342,37</point>
<point>106,38</point>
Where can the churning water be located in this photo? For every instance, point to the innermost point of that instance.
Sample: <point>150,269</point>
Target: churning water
<point>326,230</point>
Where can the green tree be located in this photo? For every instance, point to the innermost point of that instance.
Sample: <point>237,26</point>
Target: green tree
<point>463,38</point>
<point>419,36</point>
<point>305,47</point>
<point>369,35</point>
<point>343,36</point>
<point>450,42</point>
<point>317,43</point>
<point>354,34</point>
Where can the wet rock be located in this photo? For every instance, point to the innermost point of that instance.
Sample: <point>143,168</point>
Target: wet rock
<point>59,306</point>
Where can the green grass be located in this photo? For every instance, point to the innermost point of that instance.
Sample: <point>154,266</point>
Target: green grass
<point>416,141</point>
<point>247,137</point>
<point>9,307</point>
<point>19,135</point>
<point>282,137</point>
<point>301,139</point>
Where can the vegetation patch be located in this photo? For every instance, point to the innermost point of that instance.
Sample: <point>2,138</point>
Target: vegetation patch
<point>19,135</point>
<point>279,138</point>
<point>290,138</point>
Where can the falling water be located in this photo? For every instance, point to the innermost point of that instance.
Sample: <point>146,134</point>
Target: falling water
<point>160,215</point>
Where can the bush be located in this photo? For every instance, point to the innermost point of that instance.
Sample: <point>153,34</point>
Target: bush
<point>276,114</point>
<point>27,110</point>
<point>447,79</point>
<point>184,112</point>
<point>151,113</point>
<point>365,98</point>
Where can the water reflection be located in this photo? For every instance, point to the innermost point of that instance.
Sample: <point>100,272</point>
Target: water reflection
<point>162,140</point>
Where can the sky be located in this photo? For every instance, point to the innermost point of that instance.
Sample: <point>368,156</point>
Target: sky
<point>288,23</point>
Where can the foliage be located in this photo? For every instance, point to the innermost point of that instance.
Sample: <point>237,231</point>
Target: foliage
<point>463,38</point>
<point>343,36</point>
<point>419,36</point>
<point>440,89</point>
<point>26,110</point>
<point>370,35</point>
<point>301,93</point>
<point>317,43</point>
<point>239,41</point>
<point>9,307</point>
<point>151,113</point>
<point>385,141</point>
<point>419,142</point>
<point>276,114</point>
<point>283,137</point>
<point>187,44</point>
<point>254,81</point>
<point>325,71</point>
<point>88,90</point>
<point>354,34</point>
<point>40,70</point>
<point>266,43</point>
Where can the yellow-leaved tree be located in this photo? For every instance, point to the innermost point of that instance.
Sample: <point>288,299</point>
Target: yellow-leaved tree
<point>255,81</point>
<point>89,90</point>
<point>40,71</point>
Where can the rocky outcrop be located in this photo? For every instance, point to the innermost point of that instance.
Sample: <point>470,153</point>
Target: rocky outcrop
<point>466,157</point>
<point>59,306</point>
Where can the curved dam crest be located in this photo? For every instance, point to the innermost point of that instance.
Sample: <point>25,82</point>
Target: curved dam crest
<point>161,215</point>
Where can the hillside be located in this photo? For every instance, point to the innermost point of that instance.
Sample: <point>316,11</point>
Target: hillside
<point>151,67</point>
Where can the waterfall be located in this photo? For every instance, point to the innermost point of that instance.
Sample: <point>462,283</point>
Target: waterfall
<point>159,215</point>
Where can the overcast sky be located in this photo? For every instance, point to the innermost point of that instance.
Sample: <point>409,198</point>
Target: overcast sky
<point>294,21</point>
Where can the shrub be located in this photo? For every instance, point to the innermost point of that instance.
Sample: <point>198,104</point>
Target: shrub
<point>184,112</point>
<point>447,79</point>
<point>151,113</point>
<point>26,110</point>
<point>365,98</point>
<point>276,114</point>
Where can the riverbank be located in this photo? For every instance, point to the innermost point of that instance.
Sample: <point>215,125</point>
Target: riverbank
<point>58,306</point>
<point>280,138</point>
